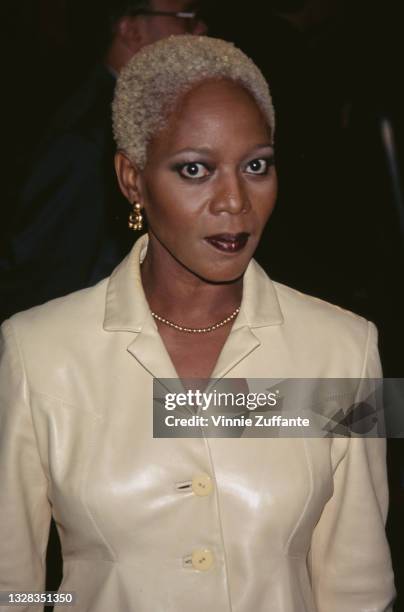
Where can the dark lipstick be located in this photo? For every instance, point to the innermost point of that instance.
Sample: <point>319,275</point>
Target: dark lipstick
<point>228,243</point>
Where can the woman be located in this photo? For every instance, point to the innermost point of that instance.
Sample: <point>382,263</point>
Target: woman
<point>286,525</point>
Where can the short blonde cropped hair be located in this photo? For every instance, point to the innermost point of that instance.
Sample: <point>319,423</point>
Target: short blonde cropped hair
<point>150,85</point>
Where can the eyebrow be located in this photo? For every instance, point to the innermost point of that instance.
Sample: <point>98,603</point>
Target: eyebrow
<point>207,151</point>
<point>201,151</point>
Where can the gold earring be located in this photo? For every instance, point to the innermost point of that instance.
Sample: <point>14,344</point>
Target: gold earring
<point>136,218</point>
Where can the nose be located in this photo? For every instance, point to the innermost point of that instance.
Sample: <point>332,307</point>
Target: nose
<point>231,196</point>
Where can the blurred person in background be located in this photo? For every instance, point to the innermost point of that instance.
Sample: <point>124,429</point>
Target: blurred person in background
<point>68,231</point>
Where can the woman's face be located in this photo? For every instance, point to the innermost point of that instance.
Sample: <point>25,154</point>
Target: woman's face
<point>210,184</point>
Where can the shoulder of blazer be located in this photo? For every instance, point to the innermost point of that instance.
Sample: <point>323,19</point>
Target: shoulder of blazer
<point>63,318</point>
<point>296,303</point>
<point>318,329</point>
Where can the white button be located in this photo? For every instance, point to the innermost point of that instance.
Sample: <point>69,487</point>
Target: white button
<point>202,485</point>
<point>202,559</point>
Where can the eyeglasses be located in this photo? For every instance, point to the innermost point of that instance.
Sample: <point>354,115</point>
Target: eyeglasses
<point>191,19</point>
<point>191,15</point>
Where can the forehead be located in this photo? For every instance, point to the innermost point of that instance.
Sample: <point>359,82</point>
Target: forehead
<point>218,101</point>
<point>214,114</point>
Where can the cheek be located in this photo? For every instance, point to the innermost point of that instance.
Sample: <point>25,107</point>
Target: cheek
<point>167,209</point>
<point>272,194</point>
<point>272,200</point>
<point>263,199</point>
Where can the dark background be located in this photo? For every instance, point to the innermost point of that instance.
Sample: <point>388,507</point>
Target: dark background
<point>334,69</point>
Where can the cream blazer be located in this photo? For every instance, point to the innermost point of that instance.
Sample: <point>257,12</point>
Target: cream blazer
<point>172,525</point>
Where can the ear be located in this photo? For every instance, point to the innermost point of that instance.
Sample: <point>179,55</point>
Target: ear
<point>129,32</point>
<point>128,177</point>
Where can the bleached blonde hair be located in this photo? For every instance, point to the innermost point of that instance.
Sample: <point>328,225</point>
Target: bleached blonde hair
<point>153,81</point>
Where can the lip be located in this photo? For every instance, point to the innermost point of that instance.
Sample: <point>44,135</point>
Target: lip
<point>228,243</point>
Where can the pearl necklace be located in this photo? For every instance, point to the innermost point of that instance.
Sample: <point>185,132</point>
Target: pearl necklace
<point>197,330</point>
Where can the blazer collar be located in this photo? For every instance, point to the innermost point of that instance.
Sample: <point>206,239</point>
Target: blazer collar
<point>127,308</point>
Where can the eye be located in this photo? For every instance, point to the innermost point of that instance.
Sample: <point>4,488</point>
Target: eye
<point>259,166</point>
<point>193,170</point>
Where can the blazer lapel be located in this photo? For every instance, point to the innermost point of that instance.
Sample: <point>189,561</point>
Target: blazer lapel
<point>127,310</point>
<point>240,343</point>
<point>148,349</point>
<point>259,308</point>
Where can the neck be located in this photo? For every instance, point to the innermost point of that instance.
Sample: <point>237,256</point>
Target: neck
<point>175,293</point>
